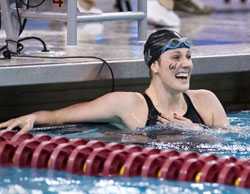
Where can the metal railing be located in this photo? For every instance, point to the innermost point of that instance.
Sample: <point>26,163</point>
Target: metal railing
<point>72,18</point>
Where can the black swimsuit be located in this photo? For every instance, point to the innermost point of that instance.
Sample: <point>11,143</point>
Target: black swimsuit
<point>153,113</point>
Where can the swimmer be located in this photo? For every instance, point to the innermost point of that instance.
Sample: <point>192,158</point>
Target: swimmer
<point>167,99</point>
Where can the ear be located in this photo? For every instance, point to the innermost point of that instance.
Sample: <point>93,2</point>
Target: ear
<point>155,67</point>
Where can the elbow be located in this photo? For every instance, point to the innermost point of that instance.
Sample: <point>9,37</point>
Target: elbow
<point>55,118</point>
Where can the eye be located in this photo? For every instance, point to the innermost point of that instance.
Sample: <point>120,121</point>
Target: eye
<point>176,57</point>
<point>188,56</point>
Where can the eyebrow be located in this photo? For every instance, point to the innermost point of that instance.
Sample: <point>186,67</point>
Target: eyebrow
<point>179,52</point>
<point>176,52</point>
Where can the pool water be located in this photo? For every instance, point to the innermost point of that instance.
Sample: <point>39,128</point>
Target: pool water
<point>235,142</point>
<point>24,181</point>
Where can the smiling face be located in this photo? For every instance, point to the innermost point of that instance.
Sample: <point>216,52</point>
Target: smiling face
<point>173,69</point>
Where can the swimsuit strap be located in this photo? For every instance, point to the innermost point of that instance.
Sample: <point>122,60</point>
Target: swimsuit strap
<point>192,113</point>
<point>153,113</point>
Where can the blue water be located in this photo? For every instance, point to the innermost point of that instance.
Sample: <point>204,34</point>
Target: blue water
<point>235,142</point>
<point>24,181</point>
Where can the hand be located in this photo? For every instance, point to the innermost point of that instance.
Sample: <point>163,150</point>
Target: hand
<point>184,121</point>
<point>24,122</point>
<point>179,120</point>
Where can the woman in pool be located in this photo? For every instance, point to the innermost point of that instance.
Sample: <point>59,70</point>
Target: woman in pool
<point>167,99</point>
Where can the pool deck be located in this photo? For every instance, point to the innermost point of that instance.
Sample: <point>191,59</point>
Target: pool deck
<point>218,48</point>
<point>26,71</point>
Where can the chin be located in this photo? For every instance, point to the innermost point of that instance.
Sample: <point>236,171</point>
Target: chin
<point>181,85</point>
<point>182,88</point>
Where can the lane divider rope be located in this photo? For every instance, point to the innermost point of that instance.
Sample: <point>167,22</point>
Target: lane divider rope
<point>96,158</point>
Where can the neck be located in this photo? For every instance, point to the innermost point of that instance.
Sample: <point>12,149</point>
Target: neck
<point>165,100</point>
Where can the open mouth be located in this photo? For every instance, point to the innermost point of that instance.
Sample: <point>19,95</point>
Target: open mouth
<point>182,75</point>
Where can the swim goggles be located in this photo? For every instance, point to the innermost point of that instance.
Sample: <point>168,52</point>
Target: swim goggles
<point>175,43</point>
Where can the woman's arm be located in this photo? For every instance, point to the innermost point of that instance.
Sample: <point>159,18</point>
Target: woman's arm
<point>219,118</point>
<point>211,104</point>
<point>102,108</point>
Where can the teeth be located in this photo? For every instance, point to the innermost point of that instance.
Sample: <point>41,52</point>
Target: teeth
<point>182,74</point>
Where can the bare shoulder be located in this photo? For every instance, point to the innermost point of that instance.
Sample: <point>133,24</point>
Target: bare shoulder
<point>125,103</point>
<point>210,108</point>
<point>124,98</point>
<point>202,95</point>
<point>124,95</point>
<point>205,102</point>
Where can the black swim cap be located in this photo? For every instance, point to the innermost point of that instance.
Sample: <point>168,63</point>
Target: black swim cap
<point>155,42</point>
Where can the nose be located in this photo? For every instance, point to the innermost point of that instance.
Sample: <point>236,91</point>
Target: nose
<point>187,63</point>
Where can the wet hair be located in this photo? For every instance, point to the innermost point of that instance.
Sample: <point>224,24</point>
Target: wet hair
<point>155,42</point>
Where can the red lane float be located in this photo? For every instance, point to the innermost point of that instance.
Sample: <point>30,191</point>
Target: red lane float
<point>77,159</point>
<point>24,152</point>
<point>171,167</point>
<point>150,151</point>
<point>190,169</point>
<point>209,172</point>
<point>243,163</point>
<point>207,157</point>
<point>96,158</point>
<point>114,162</point>
<point>133,164</point>
<point>132,148</point>
<point>244,179</point>
<point>152,165</point>
<point>42,138</point>
<point>42,154</point>
<point>226,160</point>
<point>115,146</point>
<point>95,144</point>
<point>8,147</point>
<point>169,153</point>
<point>7,134</point>
<point>59,140</point>
<point>2,139</point>
<point>59,157</point>
<point>18,138</point>
<point>188,155</point>
<point>95,161</point>
<point>229,174</point>
<point>7,151</point>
